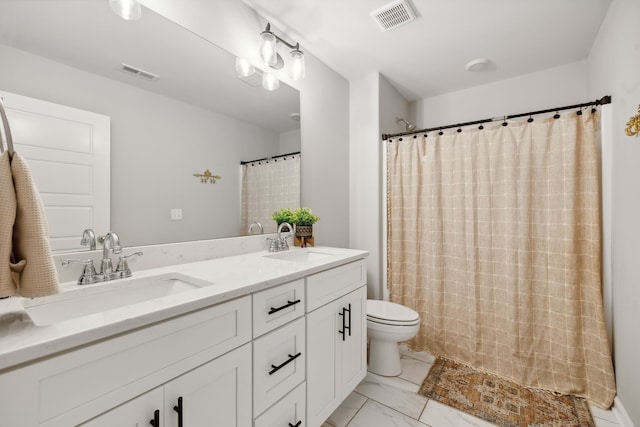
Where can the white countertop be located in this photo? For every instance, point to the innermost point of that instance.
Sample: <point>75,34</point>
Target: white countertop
<point>232,277</point>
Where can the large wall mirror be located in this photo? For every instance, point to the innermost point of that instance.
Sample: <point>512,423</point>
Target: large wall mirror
<point>197,116</point>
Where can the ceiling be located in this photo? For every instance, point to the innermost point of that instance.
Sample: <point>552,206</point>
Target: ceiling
<point>427,56</point>
<point>87,35</point>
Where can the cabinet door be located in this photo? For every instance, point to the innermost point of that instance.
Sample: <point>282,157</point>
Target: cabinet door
<point>137,412</point>
<point>216,393</point>
<point>354,348</point>
<point>323,391</point>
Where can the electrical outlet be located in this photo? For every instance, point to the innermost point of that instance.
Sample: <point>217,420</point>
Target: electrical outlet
<point>176,214</point>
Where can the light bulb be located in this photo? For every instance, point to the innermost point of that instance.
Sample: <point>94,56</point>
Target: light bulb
<point>126,9</point>
<point>267,50</point>
<point>244,68</point>
<point>270,82</point>
<point>296,68</point>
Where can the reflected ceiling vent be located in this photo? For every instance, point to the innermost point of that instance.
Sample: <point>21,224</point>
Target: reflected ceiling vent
<point>393,15</point>
<point>129,69</point>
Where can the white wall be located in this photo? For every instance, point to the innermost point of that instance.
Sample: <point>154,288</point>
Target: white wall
<point>614,68</point>
<point>157,144</point>
<point>564,85</point>
<point>324,107</point>
<point>364,133</point>
<point>290,142</point>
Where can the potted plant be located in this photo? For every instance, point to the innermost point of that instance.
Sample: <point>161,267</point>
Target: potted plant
<point>304,219</point>
<point>283,215</point>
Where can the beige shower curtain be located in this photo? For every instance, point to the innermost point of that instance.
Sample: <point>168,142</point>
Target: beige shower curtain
<point>494,238</point>
<point>267,186</point>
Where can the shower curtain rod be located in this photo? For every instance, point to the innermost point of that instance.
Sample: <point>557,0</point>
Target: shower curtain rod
<point>269,158</point>
<point>602,101</point>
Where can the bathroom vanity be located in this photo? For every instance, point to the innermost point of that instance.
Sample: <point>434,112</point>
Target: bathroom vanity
<point>258,339</point>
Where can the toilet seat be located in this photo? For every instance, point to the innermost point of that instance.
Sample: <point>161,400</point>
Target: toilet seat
<point>389,313</point>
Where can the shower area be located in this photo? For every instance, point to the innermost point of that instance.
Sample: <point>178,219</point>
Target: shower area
<point>494,236</point>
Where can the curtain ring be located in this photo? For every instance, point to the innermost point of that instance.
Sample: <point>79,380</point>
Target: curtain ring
<point>579,112</point>
<point>481,127</point>
<point>440,133</point>
<point>530,119</point>
<point>504,122</point>
<point>556,115</point>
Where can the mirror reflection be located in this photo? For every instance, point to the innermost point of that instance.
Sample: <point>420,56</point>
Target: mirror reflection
<point>196,117</point>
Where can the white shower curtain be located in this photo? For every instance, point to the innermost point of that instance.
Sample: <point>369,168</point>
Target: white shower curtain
<point>494,238</point>
<point>267,186</point>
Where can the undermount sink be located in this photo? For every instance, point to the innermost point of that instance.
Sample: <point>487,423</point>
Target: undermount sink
<point>102,297</point>
<point>303,255</point>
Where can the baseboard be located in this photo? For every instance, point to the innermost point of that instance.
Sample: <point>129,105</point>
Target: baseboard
<point>621,414</point>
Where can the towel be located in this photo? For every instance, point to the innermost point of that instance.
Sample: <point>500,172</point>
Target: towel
<point>34,272</point>
<point>7,218</point>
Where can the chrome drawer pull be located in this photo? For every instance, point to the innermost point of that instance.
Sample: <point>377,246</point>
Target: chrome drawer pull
<point>289,304</point>
<point>282,365</point>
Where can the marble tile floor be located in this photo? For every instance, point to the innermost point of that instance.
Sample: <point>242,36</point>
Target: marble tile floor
<point>394,402</point>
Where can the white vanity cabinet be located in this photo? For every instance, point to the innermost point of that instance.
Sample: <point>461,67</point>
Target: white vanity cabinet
<point>282,355</point>
<point>214,391</point>
<point>336,344</point>
<point>73,387</point>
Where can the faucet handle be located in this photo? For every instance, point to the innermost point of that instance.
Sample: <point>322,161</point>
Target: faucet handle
<point>89,274</point>
<point>123,262</point>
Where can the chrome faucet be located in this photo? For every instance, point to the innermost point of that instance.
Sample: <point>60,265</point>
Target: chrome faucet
<point>110,242</point>
<point>280,243</point>
<point>88,239</point>
<point>256,223</point>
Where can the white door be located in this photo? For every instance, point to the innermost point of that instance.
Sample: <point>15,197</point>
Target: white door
<point>68,152</point>
<point>138,412</point>
<point>217,393</point>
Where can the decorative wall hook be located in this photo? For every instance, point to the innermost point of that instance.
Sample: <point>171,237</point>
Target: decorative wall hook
<point>633,125</point>
<point>207,176</point>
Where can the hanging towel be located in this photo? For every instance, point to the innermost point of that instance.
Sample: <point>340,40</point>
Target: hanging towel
<point>34,272</point>
<point>7,218</point>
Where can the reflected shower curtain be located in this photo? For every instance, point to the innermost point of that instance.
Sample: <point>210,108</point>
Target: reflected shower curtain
<point>494,238</point>
<point>268,185</point>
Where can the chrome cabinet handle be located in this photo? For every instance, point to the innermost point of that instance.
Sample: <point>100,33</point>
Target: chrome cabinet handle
<point>285,363</point>
<point>288,304</point>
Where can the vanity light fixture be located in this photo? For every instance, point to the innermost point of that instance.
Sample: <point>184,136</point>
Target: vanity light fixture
<point>270,82</point>
<point>268,51</point>
<point>244,68</point>
<point>126,9</point>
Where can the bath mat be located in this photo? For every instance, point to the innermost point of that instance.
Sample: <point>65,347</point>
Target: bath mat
<point>500,401</point>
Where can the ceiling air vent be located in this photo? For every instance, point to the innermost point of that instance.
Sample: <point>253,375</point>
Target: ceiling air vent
<point>393,15</point>
<point>129,69</point>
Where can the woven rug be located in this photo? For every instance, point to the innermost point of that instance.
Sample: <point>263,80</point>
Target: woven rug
<point>500,401</point>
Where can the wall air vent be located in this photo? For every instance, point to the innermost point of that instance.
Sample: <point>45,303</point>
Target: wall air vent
<point>129,69</point>
<point>393,15</point>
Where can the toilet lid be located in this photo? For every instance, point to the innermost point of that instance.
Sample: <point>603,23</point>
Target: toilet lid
<point>387,312</point>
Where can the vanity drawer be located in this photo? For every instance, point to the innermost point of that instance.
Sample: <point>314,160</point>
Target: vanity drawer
<point>279,360</point>
<point>276,306</point>
<point>73,387</point>
<point>329,285</point>
<point>289,411</point>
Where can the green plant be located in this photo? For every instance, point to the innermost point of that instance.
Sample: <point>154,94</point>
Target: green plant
<point>303,216</point>
<point>282,215</point>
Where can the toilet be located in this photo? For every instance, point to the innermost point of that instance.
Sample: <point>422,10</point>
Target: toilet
<point>388,324</point>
